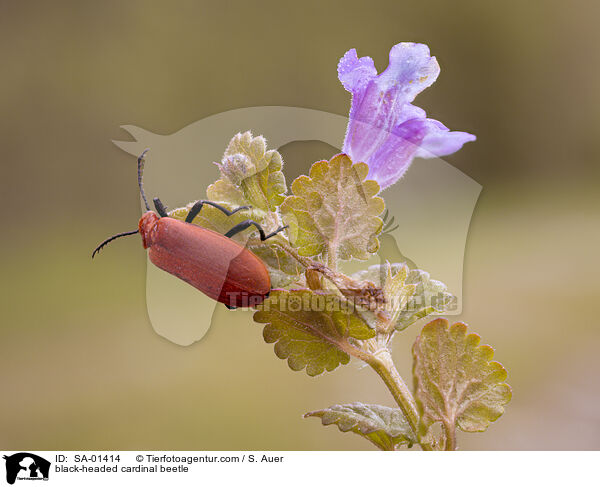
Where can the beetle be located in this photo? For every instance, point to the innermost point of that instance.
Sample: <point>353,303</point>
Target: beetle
<point>220,267</point>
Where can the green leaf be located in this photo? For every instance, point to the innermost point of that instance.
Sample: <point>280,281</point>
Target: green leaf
<point>216,220</point>
<point>456,383</point>
<point>335,210</point>
<point>310,328</point>
<point>250,175</point>
<point>410,294</point>
<point>386,427</point>
<point>283,269</point>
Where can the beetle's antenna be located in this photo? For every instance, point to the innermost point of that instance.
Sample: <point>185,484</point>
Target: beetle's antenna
<point>108,240</point>
<point>140,172</point>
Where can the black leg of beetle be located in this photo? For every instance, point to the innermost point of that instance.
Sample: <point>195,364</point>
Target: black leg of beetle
<point>230,307</point>
<point>194,210</point>
<point>160,208</point>
<point>240,227</point>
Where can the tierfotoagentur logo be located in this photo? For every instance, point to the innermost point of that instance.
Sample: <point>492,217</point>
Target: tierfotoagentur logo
<point>26,466</point>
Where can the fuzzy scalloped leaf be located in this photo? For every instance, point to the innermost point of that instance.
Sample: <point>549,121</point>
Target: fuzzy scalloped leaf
<point>385,427</point>
<point>335,210</point>
<point>250,175</point>
<point>410,293</point>
<point>216,220</point>
<point>307,328</point>
<point>456,383</point>
<point>283,269</point>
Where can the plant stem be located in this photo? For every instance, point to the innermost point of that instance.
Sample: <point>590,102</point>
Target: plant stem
<point>383,364</point>
<point>332,258</point>
<point>450,431</point>
<point>305,261</point>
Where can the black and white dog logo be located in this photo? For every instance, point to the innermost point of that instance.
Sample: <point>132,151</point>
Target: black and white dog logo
<point>27,466</point>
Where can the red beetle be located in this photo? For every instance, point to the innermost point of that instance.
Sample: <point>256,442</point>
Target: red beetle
<point>221,268</point>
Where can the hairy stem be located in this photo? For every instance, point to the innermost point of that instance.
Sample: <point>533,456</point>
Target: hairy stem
<point>383,364</point>
<point>305,261</point>
<point>450,432</point>
<point>332,257</point>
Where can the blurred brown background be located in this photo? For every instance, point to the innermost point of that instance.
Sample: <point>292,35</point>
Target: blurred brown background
<point>80,366</point>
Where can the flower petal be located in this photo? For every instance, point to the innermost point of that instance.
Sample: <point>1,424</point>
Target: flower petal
<point>440,141</point>
<point>410,112</point>
<point>410,71</point>
<point>355,73</point>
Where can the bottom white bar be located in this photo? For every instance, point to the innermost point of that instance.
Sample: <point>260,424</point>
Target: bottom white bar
<point>299,468</point>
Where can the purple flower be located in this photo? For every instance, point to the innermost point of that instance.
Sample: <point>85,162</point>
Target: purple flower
<point>385,130</point>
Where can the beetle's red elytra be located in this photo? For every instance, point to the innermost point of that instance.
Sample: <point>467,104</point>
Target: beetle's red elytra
<point>216,265</point>
<point>221,268</point>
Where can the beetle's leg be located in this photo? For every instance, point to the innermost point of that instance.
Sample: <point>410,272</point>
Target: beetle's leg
<point>240,227</point>
<point>160,208</point>
<point>230,307</point>
<point>194,210</point>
